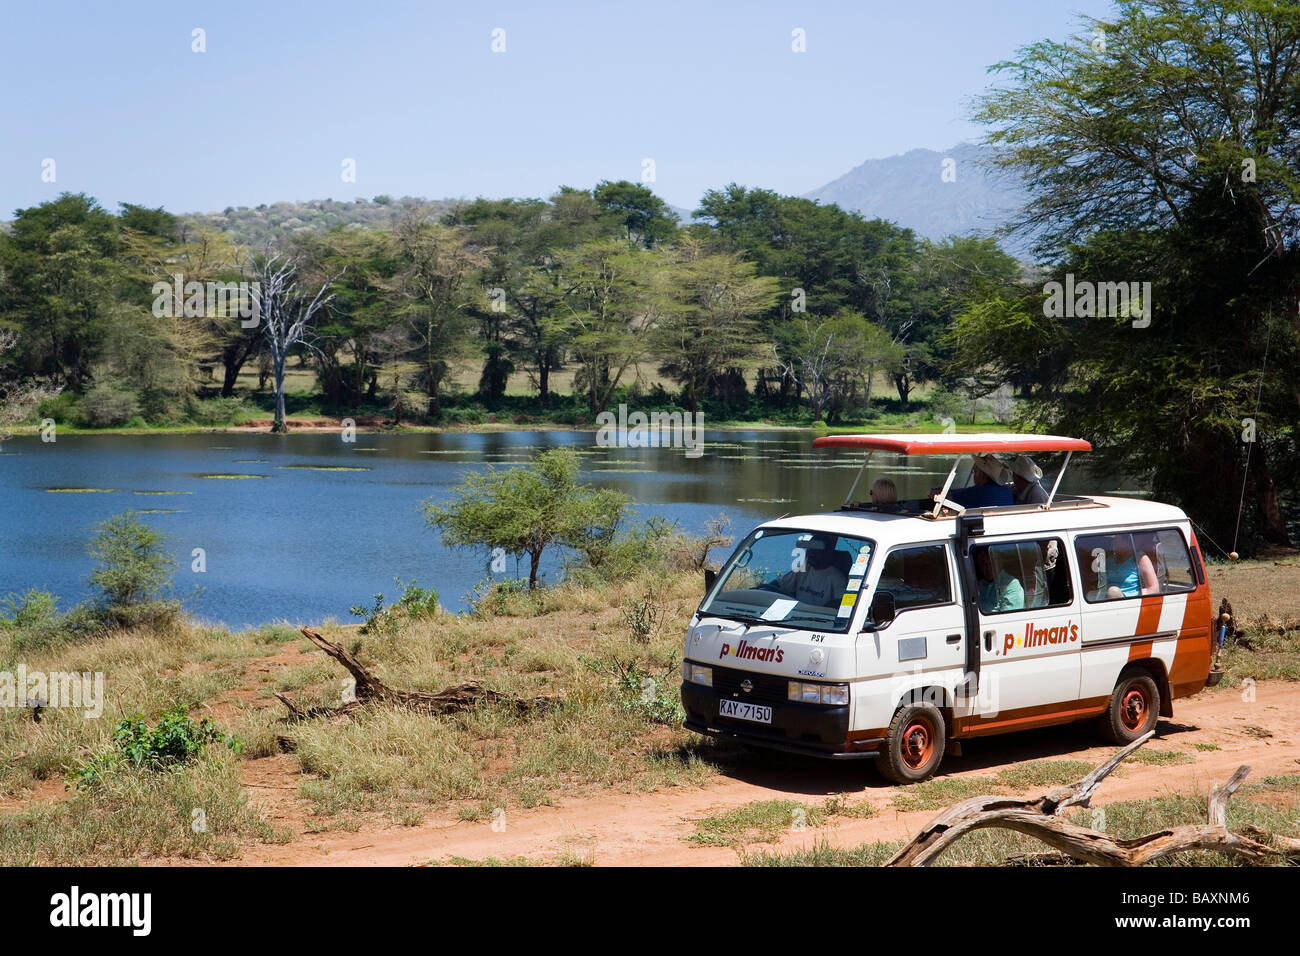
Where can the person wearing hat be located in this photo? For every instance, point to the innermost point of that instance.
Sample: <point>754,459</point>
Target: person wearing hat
<point>1025,477</point>
<point>990,488</point>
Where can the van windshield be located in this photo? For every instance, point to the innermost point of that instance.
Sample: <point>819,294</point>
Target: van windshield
<point>802,579</point>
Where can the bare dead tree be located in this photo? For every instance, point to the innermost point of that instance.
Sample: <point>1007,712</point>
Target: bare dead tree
<point>287,313</point>
<point>1038,817</point>
<point>369,689</point>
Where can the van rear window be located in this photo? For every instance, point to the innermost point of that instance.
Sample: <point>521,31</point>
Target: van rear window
<point>1121,565</point>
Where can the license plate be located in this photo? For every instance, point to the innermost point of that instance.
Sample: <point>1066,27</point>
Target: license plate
<point>739,710</point>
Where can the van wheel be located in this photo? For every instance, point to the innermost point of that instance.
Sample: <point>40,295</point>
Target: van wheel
<point>1133,710</point>
<point>913,744</point>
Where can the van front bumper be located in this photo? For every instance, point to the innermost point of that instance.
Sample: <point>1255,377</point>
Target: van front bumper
<point>810,729</point>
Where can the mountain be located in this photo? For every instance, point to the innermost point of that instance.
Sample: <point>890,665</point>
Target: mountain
<point>912,191</point>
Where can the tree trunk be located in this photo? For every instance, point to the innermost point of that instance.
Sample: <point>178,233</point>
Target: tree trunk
<point>279,426</point>
<point>534,558</point>
<point>1272,525</point>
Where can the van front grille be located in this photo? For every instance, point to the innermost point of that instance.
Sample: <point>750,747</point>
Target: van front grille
<point>766,688</point>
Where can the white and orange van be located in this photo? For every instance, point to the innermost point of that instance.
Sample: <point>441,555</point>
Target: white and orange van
<point>892,632</point>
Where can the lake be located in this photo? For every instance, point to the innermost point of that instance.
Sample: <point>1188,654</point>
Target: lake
<point>303,527</point>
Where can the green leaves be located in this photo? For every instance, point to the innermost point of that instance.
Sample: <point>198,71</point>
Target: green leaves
<point>525,510</point>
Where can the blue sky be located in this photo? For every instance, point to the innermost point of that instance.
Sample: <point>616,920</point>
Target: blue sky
<point>413,93</point>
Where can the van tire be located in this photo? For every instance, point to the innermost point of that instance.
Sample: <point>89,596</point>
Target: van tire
<point>914,744</point>
<point>1133,710</point>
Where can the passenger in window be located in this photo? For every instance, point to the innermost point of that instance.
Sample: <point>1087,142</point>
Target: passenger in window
<point>990,489</point>
<point>998,590</point>
<point>821,581</point>
<point>1130,574</point>
<point>884,493</point>
<point>1026,482</point>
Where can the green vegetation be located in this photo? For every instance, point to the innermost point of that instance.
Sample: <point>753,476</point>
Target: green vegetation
<point>175,739</point>
<point>766,821</point>
<point>527,510</point>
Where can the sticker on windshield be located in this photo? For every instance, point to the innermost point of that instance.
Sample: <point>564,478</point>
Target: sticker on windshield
<point>778,609</point>
<point>860,564</point>
<point>855,584</point>
<point>846,604</point>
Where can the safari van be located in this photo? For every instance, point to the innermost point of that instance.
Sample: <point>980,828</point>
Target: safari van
<point>875,631</point>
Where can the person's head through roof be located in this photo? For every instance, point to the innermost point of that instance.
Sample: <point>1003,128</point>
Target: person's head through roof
<point>884,492</point>
<point>989,471</point>
<point>1025,473</point>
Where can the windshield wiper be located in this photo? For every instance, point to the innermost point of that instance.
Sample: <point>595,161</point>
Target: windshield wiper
<point>749,620</point>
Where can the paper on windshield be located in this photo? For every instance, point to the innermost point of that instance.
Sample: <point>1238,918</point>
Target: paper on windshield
<point>778,609</point>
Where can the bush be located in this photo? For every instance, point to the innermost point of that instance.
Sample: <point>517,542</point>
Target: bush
<point>34,623</point>
<point>653,698</point>
<point>133,564</point>
<point>217,411</point>
<point>65,408</point>
<point>107,405</point>
<point>508,598</point>
<point>175,739</point>
<point>415,603</point>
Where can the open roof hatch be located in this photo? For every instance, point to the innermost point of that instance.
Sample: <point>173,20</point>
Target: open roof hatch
<point>958,445</point>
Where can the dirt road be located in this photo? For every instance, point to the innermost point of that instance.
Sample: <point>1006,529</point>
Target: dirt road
<point>647,829</point>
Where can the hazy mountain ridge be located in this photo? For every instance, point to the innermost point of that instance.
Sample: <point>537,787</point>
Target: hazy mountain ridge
<point>910,189</point>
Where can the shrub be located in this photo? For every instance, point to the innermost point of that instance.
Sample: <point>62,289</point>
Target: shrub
<point>107,405</point>
<point>175,739</point>
<point>415,603</point>
<point>133,564</point>
<point>652,697</point>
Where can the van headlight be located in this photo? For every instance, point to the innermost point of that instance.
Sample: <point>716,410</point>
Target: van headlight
<point>697,674</point>
<point>806,692</point>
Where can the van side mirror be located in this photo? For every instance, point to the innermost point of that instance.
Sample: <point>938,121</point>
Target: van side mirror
<point>883,610</point>
<point>710,578</point>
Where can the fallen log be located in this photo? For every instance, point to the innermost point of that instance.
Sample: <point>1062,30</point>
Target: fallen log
<point>370,689</point>
<point>1039,817</point>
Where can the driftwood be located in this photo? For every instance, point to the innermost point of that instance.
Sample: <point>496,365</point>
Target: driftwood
<point>370,689</point>
<point>1038,817</point>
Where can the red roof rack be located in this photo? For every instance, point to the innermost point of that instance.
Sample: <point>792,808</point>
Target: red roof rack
<point>948,444</point>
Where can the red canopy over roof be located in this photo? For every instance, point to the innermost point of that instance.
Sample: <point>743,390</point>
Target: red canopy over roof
<point>993,442</point>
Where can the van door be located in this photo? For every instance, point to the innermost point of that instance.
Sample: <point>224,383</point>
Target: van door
<point>1029,634</point>
<point>925,636</point>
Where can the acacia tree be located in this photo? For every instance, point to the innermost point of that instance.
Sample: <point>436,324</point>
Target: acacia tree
<point>435,286</point>
<point>526,510</point>
<point>17,397</point>
<point>286,313</point>
<point>1160,146</point>
<point>711,325</point>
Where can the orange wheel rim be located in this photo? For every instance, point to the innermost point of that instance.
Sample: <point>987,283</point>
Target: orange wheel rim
<point>1133,708</point>
<point>918,743</point>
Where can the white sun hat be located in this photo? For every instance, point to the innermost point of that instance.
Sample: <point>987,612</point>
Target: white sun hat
<point>1026,469</point>
<point>992,467</point>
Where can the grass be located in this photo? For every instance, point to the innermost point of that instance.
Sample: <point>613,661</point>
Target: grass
<point>766,821</point>
<point>1159,758</point>
<point>939,792</point>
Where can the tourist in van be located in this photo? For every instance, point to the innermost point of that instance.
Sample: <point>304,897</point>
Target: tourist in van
<point>884,492</point>
<point>998,590</point>
<point>1026,482</point>
<point>821,581</point>
<point>1133,573</point>
<point>990,488</point>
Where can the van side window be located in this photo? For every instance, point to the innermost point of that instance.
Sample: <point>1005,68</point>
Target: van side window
<point>1123,565</point>
<point>917,577</point>
<point>1015,575</point>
